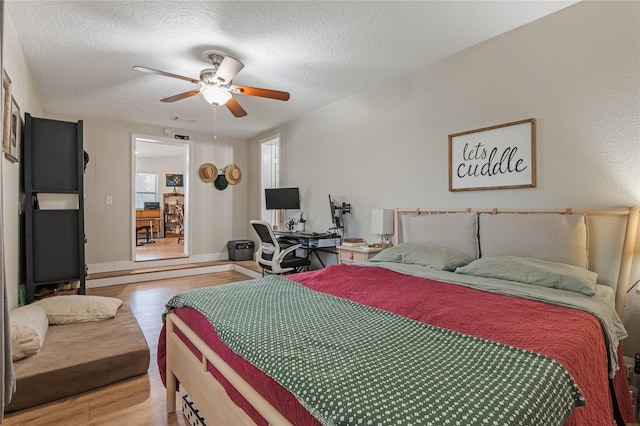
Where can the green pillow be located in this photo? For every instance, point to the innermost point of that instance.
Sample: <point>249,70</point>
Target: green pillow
<point>534,271</point>
<point>443,258</point>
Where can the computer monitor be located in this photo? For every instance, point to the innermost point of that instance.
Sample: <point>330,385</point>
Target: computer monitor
<point>152,205</point>
<point>282,198</point>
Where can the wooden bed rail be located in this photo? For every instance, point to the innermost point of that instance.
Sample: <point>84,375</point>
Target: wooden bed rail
<point>208,395</point>
<point>588,212</point>
<point>631,232</point>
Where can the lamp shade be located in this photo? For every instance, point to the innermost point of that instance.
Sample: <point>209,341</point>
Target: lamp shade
<point>215,95</point>
<point>382,221</point>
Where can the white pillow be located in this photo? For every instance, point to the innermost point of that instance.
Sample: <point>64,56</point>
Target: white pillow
<point>534,271</point>
<point>29,327</point>
<point>546,236</point>
<point>453,230</point>
<point>443,258</point>
<point>79,308</point>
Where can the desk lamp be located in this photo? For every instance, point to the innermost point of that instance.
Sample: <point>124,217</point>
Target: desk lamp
<point>382,224</point>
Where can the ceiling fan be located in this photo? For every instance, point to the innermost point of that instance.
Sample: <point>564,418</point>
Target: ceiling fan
<point>215,83</point>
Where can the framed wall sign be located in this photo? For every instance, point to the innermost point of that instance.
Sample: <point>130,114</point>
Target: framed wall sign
<point>496,157</point>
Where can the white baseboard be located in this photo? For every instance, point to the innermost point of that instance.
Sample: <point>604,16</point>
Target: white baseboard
<point>126,265</point>
<point>174,273</point>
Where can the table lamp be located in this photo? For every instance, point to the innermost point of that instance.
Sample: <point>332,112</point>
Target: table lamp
<point>382,224</point>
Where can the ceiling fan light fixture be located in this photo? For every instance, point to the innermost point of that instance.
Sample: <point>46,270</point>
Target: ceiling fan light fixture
<point>215,95</point>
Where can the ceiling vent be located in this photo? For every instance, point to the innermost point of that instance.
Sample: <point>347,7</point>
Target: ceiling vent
<point>183,120</point>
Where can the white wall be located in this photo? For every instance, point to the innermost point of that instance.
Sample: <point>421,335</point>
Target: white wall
<point>575,71</point>
<point>162,166</point>
<point>215,216</point>
<point>27,98</point>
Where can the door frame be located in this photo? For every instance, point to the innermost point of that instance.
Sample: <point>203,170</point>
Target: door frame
<point>186,144</point>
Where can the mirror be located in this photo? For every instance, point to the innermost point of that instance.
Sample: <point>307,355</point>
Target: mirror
<point>160,199</point>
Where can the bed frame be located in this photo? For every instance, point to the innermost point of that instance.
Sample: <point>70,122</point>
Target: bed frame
<point>216,407</point>
<point>205,391</point>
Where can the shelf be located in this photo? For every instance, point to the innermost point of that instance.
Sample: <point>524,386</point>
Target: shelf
<point>54,191</point>
<point>56,254</point>
<point>53,238</point>
<point>171,217</point>
<point>43,283</point>
<point>59,154</point>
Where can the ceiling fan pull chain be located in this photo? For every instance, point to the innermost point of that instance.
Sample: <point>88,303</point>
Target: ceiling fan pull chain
<point>215,121</point>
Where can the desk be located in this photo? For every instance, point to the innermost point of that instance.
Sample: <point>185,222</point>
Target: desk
<point>145,228</point>
<point>155,224</point>
<point>152,218</point>
<point>310,243</point>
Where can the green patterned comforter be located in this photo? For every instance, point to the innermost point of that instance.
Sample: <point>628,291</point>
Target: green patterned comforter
<point>352,364</point>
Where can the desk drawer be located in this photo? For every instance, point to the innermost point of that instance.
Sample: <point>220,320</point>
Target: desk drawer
<point>147,213</point>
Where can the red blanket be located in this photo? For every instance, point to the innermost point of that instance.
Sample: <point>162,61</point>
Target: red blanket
<point>572,337</point>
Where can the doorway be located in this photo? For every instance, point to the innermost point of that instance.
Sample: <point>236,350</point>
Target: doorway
<point>160,198</point>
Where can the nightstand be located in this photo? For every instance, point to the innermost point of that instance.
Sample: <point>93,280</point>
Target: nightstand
<point>349,254</point>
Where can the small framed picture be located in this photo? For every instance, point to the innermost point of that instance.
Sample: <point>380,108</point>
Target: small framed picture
<point>174,180</point>
<point>15,132</point>
<point>6,117</point>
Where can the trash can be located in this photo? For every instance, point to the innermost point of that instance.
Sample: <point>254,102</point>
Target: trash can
<point>240,249</point>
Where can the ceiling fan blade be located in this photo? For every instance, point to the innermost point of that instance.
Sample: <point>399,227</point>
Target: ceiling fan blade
<point>184,95</point>
<point>228,68</point>
<point>235,108</point>
<point>166,74</point>
<point>263,93</point>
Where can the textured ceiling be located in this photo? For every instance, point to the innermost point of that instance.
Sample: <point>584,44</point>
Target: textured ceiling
<point>81,52</point>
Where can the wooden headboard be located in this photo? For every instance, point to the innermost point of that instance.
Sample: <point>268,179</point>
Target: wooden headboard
<point>611,237</point>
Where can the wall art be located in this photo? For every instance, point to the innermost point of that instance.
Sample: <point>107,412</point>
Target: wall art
<point>496,157</point>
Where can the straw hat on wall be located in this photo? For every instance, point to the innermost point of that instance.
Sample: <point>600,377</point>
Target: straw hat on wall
<point>208,172</point>
<point>233,174</point>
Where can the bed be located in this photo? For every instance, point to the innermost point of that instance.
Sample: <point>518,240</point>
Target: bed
<point>474,317</point>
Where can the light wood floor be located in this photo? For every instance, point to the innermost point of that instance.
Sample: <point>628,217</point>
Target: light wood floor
<point>161,248</point>
<point>138,401</point>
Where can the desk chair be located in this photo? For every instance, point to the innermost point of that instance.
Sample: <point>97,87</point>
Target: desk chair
<point>145,228</point>
<point>180,227</point>
<point>271,256</point>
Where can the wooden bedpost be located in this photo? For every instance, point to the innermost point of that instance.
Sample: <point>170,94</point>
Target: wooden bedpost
<point>396,226</point>
<point>630,236</point>
<point>170,377</point>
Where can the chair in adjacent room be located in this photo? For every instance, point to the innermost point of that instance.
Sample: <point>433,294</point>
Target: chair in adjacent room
<point>180,227</point>
<point>271,256</point>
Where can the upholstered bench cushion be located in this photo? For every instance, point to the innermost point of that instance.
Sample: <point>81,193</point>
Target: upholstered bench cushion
<point>79,357</point>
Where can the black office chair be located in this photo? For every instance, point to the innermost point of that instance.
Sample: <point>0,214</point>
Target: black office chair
<point>273,258</point>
